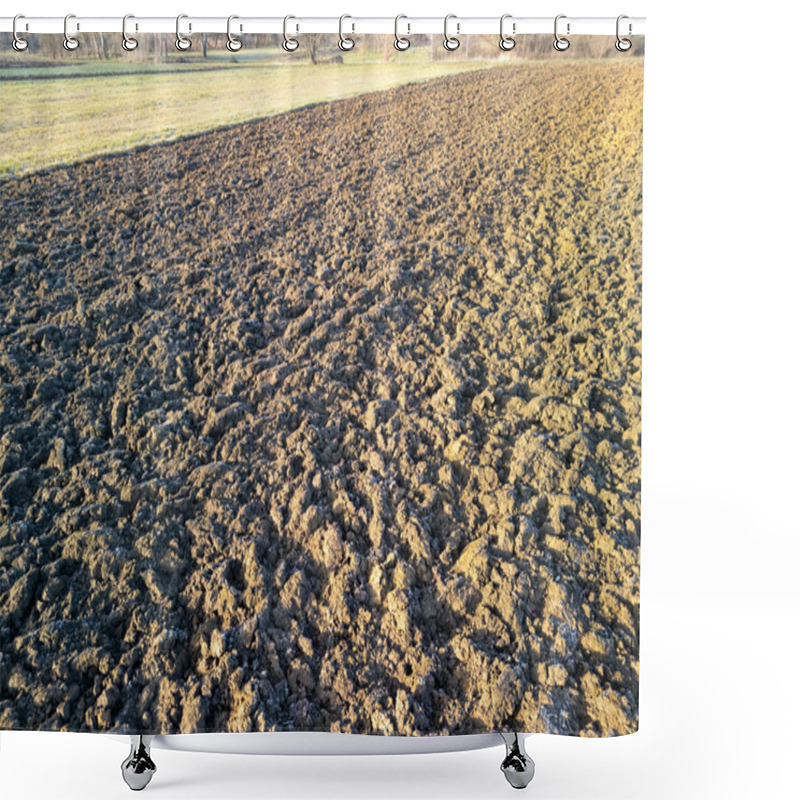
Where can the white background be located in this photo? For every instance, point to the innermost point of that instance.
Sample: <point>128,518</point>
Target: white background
<point>720,601</point>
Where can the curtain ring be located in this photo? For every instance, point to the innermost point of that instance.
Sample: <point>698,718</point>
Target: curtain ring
<point>181,41</point>
<point>345,43</point>
<point>401,43</point>
<point>623,45</point>
<point>507,42</point>
<point>450,42</point>
<point>70,42</point>
<point>560,43</point>
<point>128,42</point>
<point>290,44</point>
<point>233,44</point>
<point>18,42</point>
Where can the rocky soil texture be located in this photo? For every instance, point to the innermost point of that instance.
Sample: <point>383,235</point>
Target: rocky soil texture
<point>331,421</point>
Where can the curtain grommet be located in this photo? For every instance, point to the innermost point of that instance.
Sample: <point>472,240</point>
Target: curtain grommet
<point>289,44</point>
<point>560,43</point>
<point>451,43</point>
<point>623,45</point>
<point>70,42</point>
<point>19,43</point>
<point>233,44</point>
<point>345,42</point>
<point>129,43</point>
<point>507,42</point>
<point>181,42</point>
<point>401,43</point>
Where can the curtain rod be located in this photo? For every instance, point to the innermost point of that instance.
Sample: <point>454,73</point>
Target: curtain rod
<point>571,26</point>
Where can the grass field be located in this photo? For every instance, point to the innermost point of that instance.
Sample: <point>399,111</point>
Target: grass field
<point>126,104</point>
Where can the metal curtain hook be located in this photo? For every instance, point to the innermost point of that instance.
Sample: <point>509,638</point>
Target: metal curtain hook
<point>181,41</point>
<point>290,44</point>
<point>401,43</point>
<point>623,45</point>
<point>345,43</point>
<point>233,44</point>
<point>128,42</point>
<point>451,42</point>
<point>560,43</point>
<point>70,42</point>
<point>507,42</point>
<point>18,42</point>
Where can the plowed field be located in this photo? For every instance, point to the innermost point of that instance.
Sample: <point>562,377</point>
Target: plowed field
<point>331,421</point>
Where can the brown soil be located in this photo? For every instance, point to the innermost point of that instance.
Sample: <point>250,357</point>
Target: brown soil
<point>331,421</point>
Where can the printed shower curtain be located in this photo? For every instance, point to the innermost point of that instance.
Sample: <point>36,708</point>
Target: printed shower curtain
<point>320,386</point>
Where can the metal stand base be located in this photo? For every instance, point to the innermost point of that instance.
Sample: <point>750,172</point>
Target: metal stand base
<point>517,766</point>
<point>138,768</point>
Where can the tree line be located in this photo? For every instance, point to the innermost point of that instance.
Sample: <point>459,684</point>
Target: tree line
<point>316,48</point>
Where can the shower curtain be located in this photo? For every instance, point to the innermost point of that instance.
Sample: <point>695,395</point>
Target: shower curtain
<point>320,386</point>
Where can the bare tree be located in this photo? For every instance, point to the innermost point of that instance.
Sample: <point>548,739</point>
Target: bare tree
<point>314,41</point>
